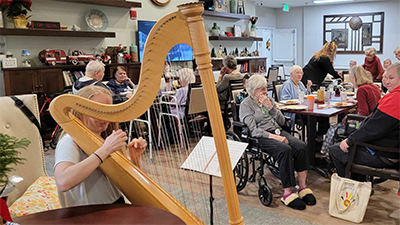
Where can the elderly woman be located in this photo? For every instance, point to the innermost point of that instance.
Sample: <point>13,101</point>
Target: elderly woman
<point>368,96</point>
<point>228,72</point>
<point>320,64</point>
<point>264,120</point>
<point>292,87</point>
<point>386,63</point>
<point>121,82</point>
<point>186,76</point>
<point>373,64</point>
<point>397,52</point>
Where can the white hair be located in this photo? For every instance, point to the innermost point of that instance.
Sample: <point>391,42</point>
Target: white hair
<point>370,51</point>
<point>396,66</point>
<point>94,66</point>
<point>186,75</point>
<point>255,81</point>
<point>397,50</point>
<point>294,68</point>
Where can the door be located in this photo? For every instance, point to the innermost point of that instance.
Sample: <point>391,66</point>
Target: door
<point>50,81</point>
<point>18,82</point>
<point>264,46</point>
<point>284,48</point>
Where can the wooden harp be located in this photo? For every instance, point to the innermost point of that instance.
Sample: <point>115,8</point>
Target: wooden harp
<point>183,26</point>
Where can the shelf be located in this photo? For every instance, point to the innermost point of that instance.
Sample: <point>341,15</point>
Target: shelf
<point>217,38</point>
<point>225,15</point>
<point>56,33</point>
<point>115,3</point>
<point>69,66</point>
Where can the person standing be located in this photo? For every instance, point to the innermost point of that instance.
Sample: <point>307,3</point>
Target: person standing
<point>320,64</point>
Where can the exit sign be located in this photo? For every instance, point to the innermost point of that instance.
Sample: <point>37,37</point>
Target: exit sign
<point>285,8</point>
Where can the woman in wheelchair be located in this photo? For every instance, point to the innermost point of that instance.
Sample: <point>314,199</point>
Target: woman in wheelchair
<point>264,120</point>
<point>186,76</point>
<point>380,129</point>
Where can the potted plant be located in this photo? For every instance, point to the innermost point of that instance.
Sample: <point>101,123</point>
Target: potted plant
<point>17,10</point>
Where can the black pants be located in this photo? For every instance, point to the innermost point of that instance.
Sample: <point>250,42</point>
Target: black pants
<point>362,157</point>
<point>290,157</point>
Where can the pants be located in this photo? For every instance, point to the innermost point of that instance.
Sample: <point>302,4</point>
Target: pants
<point>362,157</point>
<point>290,157</point>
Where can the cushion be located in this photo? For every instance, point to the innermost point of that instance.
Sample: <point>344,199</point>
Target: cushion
<point>40,196</point>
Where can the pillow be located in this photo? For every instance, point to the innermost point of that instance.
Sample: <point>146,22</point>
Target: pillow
<point>41,196</point>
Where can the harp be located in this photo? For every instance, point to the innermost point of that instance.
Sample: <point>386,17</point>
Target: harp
<point>183,26</point>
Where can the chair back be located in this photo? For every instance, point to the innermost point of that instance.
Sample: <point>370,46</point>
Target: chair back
<point>196,102</point>
<point>18,125</point>
<point>281,70</point>
<point>235,87</point>
<point>276,89</point>
<point>272,74</point>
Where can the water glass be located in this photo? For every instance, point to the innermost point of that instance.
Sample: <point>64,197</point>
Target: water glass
<point>301,97</point>
<point>343,97</point>
<point>327,97</point>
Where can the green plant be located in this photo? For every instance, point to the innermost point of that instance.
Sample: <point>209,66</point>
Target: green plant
<point>9,155</point>
<point>16,7</point>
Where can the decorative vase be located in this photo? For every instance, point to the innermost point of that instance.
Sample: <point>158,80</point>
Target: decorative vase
<point>253,31</point>
<point>20,21</point>
<point>232,6</point>
<point>215,30</point>
<point>1,19</point>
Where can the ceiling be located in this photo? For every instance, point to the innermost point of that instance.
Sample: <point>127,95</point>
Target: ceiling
<point>301,3</point>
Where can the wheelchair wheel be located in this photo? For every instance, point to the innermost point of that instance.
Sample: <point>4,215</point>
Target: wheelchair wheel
<point>241,170</point>
<point>264,192</point>
<point>272,165</point>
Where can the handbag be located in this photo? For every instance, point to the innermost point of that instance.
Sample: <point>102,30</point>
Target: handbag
<point>348,198</point>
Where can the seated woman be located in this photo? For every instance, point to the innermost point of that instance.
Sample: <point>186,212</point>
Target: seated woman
<point>121,82</point>
<point>243,94</point>
<point>368,96</point>
<point>186,76</point>
<point>264,120</point>
<point>228,72</point>
<point>373,64</point>
<point>78,177</point>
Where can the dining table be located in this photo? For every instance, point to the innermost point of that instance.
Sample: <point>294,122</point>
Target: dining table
<point>324,110</point>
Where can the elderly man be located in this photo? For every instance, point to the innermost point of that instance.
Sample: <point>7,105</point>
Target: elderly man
<point>381,128</point>
<point>93,76</point>
<point>228,72</point>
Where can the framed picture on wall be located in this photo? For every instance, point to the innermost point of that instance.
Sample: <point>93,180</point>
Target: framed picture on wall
<point>339,36</point>
<point>237,30</point>
<point>367,34</point>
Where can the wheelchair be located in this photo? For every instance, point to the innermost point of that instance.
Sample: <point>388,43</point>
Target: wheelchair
<point>249,159</point>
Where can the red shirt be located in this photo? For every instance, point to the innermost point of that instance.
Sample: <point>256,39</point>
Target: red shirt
<point>375,67</point>
<point>368,95</point>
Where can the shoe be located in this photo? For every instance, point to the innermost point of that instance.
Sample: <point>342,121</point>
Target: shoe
<point>307,196</point>
<point>293,201</point>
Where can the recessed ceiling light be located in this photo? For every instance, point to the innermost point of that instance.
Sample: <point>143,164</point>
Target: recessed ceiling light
<point>330,1</point>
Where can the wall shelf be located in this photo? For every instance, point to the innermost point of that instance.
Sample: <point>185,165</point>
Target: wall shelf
<point>115,3</point>
<point>216,38</point>
<point>225,15</point>
<point>56,33</point>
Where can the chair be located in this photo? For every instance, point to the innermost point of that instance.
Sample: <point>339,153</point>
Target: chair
<point>276,89</point>
<point>234,88</point>
<point>281,71</point>
<point>272,75</point>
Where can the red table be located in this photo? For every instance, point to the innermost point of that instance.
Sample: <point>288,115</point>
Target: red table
<point>102,214</point>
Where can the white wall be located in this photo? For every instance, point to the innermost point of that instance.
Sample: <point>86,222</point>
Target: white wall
<point>313,28</point>
<point>266,17</point>
<point>292,19</point>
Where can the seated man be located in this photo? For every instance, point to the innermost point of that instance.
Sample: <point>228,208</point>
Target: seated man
<point>228,72</point>
<point>381,128</point>
<point>264,120</point>
<point>94,74</point>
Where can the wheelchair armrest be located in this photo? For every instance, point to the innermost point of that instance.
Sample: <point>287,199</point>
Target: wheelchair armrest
<point>239,124</point>
<point>355,117</point>
<point>375,147</point>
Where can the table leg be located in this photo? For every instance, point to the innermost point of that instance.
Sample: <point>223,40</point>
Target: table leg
<point>311,135</point>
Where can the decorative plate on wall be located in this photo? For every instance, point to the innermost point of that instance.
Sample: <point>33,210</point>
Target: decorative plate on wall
<point>96,20</point>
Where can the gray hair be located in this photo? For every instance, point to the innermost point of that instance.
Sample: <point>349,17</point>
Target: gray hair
<point>397,50</point>
<point>396,66</point>
<point>294,68</point>
<point>387,59</point>
<point>370,51</point>
<point>186,75</point>
<point>255,81</point>
<point>230,62</point>
<point>93,66</point>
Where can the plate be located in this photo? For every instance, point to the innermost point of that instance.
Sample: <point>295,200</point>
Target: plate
<point>349,93</point>
<point>342,104</point>
<point>297,107</point>
<point>96,20</point>
<point>290,102</point>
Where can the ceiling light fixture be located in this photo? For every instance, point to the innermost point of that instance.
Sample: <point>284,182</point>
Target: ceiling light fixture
<point>330,1</point>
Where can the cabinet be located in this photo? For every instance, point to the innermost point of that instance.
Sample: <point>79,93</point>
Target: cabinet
<point>254,64</point>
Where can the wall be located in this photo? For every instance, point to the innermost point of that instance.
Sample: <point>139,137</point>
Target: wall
<point>313,28</point>
<point>266,17</point>
<point>289,20</point>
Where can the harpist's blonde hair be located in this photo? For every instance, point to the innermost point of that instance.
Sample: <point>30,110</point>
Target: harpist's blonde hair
<point>328,50</point>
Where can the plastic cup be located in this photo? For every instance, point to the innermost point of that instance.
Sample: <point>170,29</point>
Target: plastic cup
<point>343,97</point>
<point>311,100</point>
<point>327,97</point>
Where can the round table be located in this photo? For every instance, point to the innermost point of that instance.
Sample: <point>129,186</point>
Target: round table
<point>102,214</point>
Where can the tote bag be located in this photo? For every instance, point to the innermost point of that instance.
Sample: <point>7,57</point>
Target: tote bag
<point>348,198</point>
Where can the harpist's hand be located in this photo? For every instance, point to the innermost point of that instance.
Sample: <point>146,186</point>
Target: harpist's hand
<point>136,148</point>
<point>115,141</point>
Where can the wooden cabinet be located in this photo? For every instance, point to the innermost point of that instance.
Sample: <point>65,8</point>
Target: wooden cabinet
<point>253,64</point>
<point>25,81</point>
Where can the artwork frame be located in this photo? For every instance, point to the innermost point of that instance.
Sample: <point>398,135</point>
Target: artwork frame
<point>366,34</point>
<point>340,37</point>
<point>237,30</point>
<point>9,63</point>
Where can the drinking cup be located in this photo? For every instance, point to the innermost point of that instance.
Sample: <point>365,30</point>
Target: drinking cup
<point>311,100</point>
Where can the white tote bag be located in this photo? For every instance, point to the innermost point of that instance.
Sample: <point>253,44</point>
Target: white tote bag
<point>348,198</point>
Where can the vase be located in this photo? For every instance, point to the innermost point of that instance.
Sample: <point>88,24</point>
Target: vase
<point>232,6</point>
<point>20,21</point>
<point>2,19</point>
<point>253,31</point>
<point>215,30</point>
